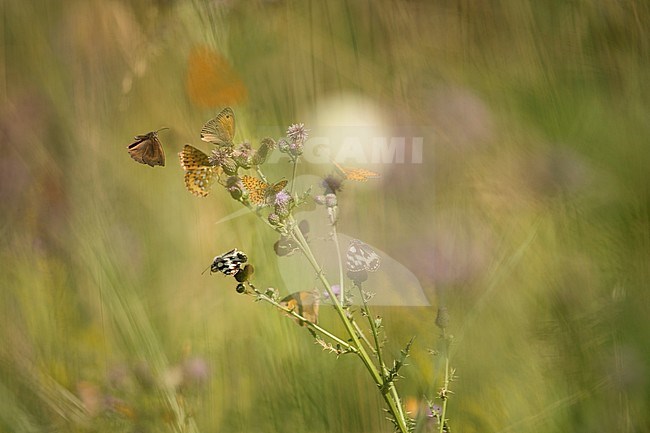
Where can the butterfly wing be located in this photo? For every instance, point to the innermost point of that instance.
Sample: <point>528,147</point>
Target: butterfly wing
<point>260,192</point>
<point>199,174</point>
<point>147,149</point>
<point>305,304</point>
<point>356,174</point>
<point>256,189</point>
<point>278,186</point>
<point>228,263</point>
<point>221,129</point>
<point>360,257</point>
<point>359,174</point>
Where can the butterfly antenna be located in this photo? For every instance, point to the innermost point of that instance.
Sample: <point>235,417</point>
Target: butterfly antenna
<point>206,269</point>
<point>161,129</point>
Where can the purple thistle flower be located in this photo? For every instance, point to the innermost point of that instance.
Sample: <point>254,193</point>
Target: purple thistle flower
<point>298,133</point>
<point>282,198</point>
<point>336,289</point>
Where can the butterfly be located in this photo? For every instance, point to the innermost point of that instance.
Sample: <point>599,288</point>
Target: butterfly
<point>259,192</point>
<point>211,79</point>
<point>358,174</point>
<point>303,303</point>
<point>221,129</point>
<point>199,173</point>
<point>360,257</point>
<point>228,263</point>
<point>147,149</point>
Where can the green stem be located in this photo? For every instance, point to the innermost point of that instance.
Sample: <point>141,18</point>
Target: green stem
<point>373,329</point>
<point>388,391</point>
<point>313,325</point>
<point>293,175</point>
<point>338,255</point>
<point>445,388</point>
<point>375,334</point>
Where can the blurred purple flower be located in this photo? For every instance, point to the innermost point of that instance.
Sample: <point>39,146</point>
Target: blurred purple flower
<point>336,289</point>
<point>196,370</point>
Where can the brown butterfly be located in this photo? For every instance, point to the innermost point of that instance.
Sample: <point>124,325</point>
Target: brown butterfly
<point>304,303</point>
<point>259,192</point>
<point>147,149</point>
<point>358,174</point>
<point>221,129</point>
<point>199,173</point>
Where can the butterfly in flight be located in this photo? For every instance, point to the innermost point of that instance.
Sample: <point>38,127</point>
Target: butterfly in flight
<point>358,174</point>
<point>221,129</point>
<point>360,257</point>
<point>304,303</point>
<point>228,263</point>
<point>199,173</point>
<point>147,149</point>
<point>260,192</point>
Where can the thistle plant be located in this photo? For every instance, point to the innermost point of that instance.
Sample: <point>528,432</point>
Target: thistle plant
<point>275,202</point>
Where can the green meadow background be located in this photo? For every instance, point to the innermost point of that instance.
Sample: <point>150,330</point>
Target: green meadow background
<point>528,218</point>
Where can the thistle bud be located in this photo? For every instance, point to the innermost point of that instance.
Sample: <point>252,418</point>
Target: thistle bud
<point>229,166</point>
<point>275,219</point>
<point>442,319</point>
<point>245,273</point>
<point>358,276</point>
<point>267,146</point>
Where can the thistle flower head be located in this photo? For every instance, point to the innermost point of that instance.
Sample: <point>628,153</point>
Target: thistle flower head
<point>266,147</point>
<point>219,155</point>
<point>332,184</point>
<point>243,155</point>
<point>282,198</point>
<point>297,133</point>
<point>283,202</point>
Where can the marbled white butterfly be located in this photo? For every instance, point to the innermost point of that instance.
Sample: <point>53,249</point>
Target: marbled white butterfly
<point>360,257</point>
<point>228,263</point>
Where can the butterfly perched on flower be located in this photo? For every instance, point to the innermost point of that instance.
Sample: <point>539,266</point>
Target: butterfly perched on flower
<point>147,149</point>
<point>199,173</point>
<point>360,257</point>
<point>228,263</point>
<point>357,174</point>
<point>304,303</point>
<point>260,192</point>
<point>221,129</point>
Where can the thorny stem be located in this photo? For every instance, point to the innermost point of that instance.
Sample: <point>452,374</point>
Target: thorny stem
<point>291,312</point>
<point>375,335</point>
<point>362,335</point>
<point>389,392</point>
<point>373,328</point>
<point>445,389</point>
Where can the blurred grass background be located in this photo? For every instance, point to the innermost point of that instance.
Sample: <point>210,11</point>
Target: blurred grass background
<point>528,218</point>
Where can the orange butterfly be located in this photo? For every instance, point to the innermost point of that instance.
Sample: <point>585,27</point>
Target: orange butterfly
<point>211,79</point>
<point>303,303</point>
<point>199,173</point>
<point>260,192</point>
<point>358,174</point>
<point>221,129</point>
<point>147,149</point>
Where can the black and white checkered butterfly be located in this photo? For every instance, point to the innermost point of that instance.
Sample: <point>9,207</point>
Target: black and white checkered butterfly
<point>360,257</point>
<point>228,263</point>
